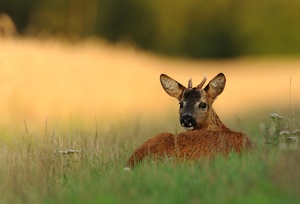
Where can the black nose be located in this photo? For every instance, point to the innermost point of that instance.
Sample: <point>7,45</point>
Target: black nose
<point>188,121</point>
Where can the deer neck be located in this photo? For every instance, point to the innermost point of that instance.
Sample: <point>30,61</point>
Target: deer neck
<point>214,122</point>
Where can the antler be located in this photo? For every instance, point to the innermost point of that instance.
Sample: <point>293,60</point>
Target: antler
<point>190,83</point>
<point>202,82</point>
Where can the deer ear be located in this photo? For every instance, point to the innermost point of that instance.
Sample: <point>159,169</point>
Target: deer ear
<point>216,86</point>
<point>172,87</point>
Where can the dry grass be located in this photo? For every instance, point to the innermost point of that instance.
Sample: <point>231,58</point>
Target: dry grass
<point>34,171</point>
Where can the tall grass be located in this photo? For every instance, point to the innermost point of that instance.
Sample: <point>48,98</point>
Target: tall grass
<point>36,169</point>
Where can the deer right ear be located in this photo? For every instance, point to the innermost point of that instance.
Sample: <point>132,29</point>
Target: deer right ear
<point>172,87</point>
<point>216,86</point>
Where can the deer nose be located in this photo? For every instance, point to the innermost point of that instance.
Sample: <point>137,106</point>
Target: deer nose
<point>188,122</point>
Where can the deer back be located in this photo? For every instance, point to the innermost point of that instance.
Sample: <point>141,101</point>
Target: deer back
<point>191,145</point>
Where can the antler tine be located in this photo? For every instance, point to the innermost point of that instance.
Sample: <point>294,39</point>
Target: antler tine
<point>190,83</point>
<point>202,82</point>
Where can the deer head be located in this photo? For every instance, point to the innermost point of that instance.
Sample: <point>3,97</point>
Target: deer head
<point>195,103</point>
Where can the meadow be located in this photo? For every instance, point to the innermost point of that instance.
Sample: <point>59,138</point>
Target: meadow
<point>36,168</point>
<point>103,101</point>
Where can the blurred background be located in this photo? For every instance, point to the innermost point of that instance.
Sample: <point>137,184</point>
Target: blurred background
<point>102,58</point>
<point>191,28</point>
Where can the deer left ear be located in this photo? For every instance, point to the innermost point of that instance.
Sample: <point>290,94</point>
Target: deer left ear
<point>216,86</point>
<point>171,86</point>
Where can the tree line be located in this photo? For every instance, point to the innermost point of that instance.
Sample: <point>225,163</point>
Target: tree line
<point>191,28</point>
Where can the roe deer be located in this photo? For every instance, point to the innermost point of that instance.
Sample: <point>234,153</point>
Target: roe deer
<point>207,137</point>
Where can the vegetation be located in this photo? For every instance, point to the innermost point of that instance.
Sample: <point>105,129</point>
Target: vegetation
<point>199,29</point>
<point>41,80</point>
<point>36,168</point>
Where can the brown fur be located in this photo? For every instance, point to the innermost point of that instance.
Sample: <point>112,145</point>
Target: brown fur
<point>191,145</point>
<point>209,135</point>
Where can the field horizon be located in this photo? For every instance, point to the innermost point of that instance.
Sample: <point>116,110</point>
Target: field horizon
<point>53,79</point>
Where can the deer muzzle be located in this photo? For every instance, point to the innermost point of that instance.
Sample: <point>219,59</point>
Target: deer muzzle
<point>188,122</point>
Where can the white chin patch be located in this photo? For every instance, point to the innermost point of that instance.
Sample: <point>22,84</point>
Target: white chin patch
<point>189,128</point>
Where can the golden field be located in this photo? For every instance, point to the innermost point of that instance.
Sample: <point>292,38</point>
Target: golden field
<point>56,80</point>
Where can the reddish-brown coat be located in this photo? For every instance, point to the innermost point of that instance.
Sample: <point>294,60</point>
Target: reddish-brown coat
<point>209,136</point>
<point>191,145</point>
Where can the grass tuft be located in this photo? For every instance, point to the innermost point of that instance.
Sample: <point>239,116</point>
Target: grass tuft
<point>281,133</point>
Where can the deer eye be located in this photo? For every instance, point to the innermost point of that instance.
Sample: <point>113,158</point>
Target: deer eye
<point>180,104</point>
<point>202,105</point>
